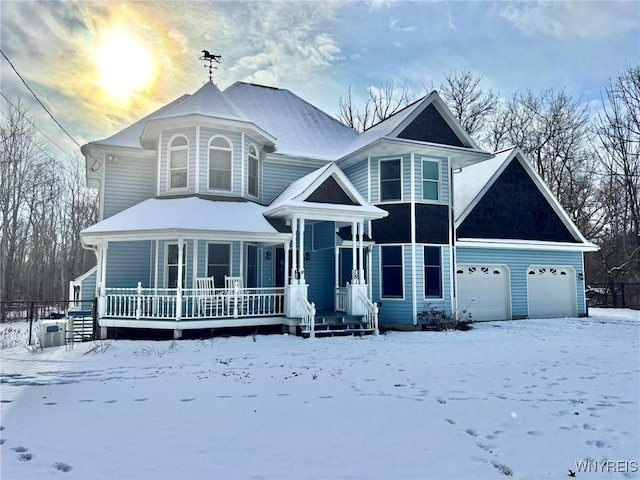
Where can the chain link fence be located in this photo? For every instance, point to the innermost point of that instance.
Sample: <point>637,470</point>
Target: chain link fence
<point>20,322</point>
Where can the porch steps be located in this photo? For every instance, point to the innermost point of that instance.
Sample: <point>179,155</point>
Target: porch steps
<point>330,323</point>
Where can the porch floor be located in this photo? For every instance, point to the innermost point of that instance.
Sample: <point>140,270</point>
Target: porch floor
<point>330,323</point>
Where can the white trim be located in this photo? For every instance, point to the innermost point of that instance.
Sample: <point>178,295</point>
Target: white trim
<point>155,280</point>
<point>194,268</point>
<point>414,286</point>
<point>197,324</point>
<point>168,166</point>
<point>369,179</point>
<point>257,157</point>
<point>171,235</point>
<point>198,166</point>
<point>583,285</point>
<point>102,188</point>
<point>439,162</point>
<point>394,158</point>
<point>381,278</point>
<point>230,150</point>
<point>242,159</point>
<point>206,256</point>
<point>240,262</point>
<point>244,271</point>
<point>442,272</point>
<point>166,259</point>
<point>525,244</point>
<point>159,160</point>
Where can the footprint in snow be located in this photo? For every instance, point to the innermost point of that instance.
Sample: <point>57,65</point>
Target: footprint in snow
<point>6,401</point>
<point>50,403</point>
<point>452,422</point>
<point>20,449</point>
<point>140,399</point>
<point>110,401</point>
<point>534,433</point>
<point>503,468</point>
<point>63,467</point>
<point>187,399</point>
<point>85,401</point>
<point>25,457</point>
<point>441,401</point>
<point>471,432</point>
<point>2,441</point>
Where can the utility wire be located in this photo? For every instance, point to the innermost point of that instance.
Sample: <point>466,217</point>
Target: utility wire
<point>38,100</point>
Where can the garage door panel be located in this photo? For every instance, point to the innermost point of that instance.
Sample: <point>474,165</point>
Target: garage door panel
<point>483,291</point>
<point>551,291</point>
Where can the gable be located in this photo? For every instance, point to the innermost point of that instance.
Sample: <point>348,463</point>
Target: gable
<point>430,126</point>
<point>514,208</point>
<point>330,192</point>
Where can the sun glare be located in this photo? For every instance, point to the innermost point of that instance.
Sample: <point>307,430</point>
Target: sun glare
<point>124,65</point>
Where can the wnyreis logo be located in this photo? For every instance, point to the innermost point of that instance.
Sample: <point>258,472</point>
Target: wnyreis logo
<point>607,466</point>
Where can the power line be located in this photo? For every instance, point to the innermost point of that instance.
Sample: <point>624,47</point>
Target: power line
<point>36,127</point>
<point>38,100</point>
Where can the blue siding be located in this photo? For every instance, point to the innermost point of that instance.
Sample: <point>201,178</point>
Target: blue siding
<point>128,181</point>
<point>278,176</point>
<point>128,263</point>
<point>88,288</point>
<point>358,176</point>
<point>319,273</point>
<point>324,235</point>
<point>517,261</point>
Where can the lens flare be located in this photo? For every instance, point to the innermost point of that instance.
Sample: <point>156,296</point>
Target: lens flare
<point>125,66</point>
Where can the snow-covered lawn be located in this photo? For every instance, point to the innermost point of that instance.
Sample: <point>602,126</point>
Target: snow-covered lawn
<point>526,399</point>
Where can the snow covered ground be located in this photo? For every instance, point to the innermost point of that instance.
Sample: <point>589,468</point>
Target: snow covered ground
<point>526,399</point>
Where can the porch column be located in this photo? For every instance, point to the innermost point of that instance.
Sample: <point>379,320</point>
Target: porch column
<point>336,259</point>
<point>176,332</point>
<point>294,259</point>
<point>361,252</point>
<point>354,269</point>
<point>301,251</point>
<point>102,301</point>
<point>287,246</point>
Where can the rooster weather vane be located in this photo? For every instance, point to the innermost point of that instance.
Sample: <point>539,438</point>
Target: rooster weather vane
<point>211,59</point>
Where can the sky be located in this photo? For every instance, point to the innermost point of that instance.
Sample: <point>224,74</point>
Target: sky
<point>99,66</point>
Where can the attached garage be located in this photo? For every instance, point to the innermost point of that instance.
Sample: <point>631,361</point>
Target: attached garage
<point>551,291</point>
<point>483,290</point>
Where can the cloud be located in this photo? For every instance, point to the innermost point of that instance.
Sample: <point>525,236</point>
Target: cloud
<point>393,25</point>
<point>572,19</point>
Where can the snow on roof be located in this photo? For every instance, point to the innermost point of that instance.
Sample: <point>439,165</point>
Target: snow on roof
<point>130,136</point>
<point>382,129</point>
<point>186,213</point>
<point>208,101</point>
<point>301,129</point>
<point>472,179</point>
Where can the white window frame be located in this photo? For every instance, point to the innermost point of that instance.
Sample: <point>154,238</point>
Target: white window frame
<point>257,160</point>
<point>230,150</point>
<point>424,272</point>
<point>206,265</point>
<point>170,169</point>
<point>381,275</point>
<point>438,181</point>
<point>166,263</point>
<point>380,162</point>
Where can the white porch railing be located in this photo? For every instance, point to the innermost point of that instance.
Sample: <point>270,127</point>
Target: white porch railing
<point>309,317</point>
<point>160,304</point>
<point>341,299</point>
<point>371,316</point>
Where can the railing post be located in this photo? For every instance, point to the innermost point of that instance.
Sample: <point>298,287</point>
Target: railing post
<point>312,321</point>
<point>138,300</point>
<point>376,311</point>
<point>236,292</point>
<point>30,322</point>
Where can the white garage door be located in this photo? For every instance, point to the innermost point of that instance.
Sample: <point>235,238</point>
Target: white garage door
<point>551,291</point>
<point>483,290</point>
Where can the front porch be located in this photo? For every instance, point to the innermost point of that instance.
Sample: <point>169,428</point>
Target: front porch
<point>204,308</point>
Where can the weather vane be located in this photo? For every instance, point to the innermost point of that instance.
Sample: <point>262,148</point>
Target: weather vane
<point>211,58</point>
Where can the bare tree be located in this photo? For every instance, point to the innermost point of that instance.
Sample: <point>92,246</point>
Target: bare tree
<point>383,101</point>
<point>617,134</point>
<point>471,104</point>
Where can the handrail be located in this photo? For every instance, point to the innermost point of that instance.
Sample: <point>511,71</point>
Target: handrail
<point>309,317</point>
<point>341,299</point>
<point>371,317</point>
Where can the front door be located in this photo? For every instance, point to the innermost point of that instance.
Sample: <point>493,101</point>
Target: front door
<point>279,266</point>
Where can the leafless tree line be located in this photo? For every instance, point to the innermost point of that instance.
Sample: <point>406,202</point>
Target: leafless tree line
<point>43,206</point>
<point>590,160</point>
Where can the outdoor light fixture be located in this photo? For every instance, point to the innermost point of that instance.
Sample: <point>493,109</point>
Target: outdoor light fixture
<point>267,254</point>
<point>307,255</point>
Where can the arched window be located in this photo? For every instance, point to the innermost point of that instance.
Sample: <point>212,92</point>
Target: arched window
<point>220,154</point>
<point>178,163</point>
<point>252,172</point>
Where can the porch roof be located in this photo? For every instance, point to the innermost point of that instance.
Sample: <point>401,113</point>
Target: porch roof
<point>194,216</point>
